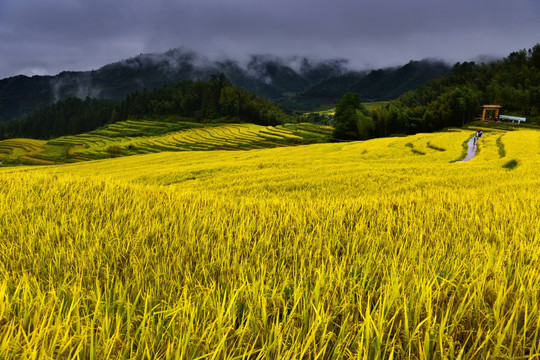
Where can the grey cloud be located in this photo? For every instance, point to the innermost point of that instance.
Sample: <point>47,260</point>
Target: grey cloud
<point>82,34</point>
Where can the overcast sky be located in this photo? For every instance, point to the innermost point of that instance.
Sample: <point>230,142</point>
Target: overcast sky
<point>49,36</point>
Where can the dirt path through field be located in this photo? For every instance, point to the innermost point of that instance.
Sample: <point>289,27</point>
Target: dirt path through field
<point>471,150</point>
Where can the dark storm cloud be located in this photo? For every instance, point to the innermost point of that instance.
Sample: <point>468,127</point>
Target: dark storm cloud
<point>50,36</point>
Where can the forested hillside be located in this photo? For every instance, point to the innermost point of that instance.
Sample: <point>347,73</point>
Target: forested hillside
<point>456,98</point>
<point>267,76</point>
<point>375,85</point>
<point>452,100</point>
<point>278,79</point>
<point>204,101</point>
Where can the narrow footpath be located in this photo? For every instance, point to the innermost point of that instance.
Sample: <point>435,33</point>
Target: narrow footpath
<point>471,150</point>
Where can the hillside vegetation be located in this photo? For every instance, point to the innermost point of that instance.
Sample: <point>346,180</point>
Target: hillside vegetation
<point>456,98</point>
<point>379,249</point>
<point>216,100</point>
<point>168,133</point>
<point>278,79</point>
<point>452,100</point>
<point>267,76</point>
<point>370,86</point>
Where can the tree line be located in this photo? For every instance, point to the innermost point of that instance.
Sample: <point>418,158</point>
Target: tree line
<point>203,101</point>
<point>451,100</point>
<point>216,99</point>
<point>66,117</point>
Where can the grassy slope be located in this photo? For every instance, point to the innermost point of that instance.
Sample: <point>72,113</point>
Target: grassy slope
<point>331,111</point>
<point>150,136</point>
<point>365,249</point>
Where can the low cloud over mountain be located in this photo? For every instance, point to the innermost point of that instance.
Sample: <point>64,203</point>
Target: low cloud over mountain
<point>276,78</point>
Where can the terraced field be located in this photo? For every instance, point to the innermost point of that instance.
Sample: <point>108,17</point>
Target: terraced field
<point>142,137</point>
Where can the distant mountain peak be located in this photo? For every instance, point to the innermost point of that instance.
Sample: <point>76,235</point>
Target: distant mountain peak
<point>270,76</point>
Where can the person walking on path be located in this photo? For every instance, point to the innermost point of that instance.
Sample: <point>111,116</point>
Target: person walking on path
<point>477,136</point>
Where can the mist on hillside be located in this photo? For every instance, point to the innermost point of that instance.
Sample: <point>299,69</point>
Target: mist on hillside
<point>267,75</point>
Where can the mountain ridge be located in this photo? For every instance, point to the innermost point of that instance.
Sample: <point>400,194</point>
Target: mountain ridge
<point>273,77</point>
<point>267,76</point>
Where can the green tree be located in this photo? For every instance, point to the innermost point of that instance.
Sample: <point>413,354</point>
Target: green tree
<point>346,117</point>
<point>114,116</point>
<point>535,56</point>
<point>229,102</point>
<point>366,126</point>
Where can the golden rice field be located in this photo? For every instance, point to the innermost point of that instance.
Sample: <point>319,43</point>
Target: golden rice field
<point>383,249</point>
<point>134,137</point>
